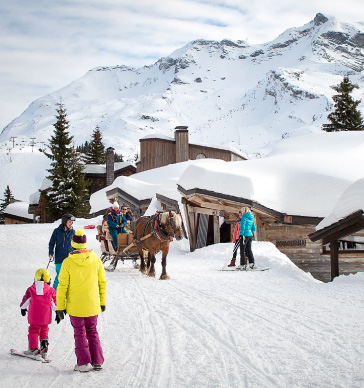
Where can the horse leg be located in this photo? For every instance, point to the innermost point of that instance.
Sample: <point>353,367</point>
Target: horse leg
<point>151,261</point>
<point>164,275</point>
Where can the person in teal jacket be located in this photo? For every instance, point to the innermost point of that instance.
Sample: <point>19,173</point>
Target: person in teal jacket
<point>247,228</point>
<point>116,223</point>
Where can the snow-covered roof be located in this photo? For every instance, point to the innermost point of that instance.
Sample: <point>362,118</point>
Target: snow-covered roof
<point>46,184</point>
<point>302,176</point>
<point>121,165</point>
<point>35,197</point>
<point>158,136</point>
<point>19,209</point>
<point>101,168</point>
<point>146,184</point>
<point>351,200</point>
<point>134,187</point>
<point>95,169</point>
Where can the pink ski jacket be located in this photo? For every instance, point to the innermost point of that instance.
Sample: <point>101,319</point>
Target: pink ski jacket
<point>236,233</point>
<point>40,300</point>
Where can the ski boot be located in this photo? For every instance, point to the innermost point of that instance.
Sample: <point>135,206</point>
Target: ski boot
<point>44,348</point>
<point>32,352</point>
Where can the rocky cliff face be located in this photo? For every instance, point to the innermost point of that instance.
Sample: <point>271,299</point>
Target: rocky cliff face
<point>228,93</point>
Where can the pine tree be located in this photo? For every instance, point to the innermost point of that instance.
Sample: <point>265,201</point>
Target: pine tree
<point>8,198</point>
<point>118,157</point>
<point>69,191</point>
<point>83,148</point>
<point>346,116</point>
<point>96,150</point>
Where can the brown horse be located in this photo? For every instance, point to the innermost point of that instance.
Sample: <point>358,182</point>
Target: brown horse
<point>153,234</point>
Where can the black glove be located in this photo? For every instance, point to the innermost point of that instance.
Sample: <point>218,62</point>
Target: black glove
<point>103,308</point>
<point>23,312</point>
<point>60,315</point>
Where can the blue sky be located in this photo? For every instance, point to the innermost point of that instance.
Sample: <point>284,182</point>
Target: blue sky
<point>46,44</point>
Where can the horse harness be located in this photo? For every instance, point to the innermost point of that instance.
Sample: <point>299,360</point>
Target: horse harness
<point>156,231</point>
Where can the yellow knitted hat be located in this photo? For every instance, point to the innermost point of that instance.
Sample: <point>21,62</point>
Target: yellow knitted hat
<point>79,240</point>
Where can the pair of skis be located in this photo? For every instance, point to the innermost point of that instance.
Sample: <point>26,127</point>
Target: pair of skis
<point>246,269</point>
<point>37,357</point>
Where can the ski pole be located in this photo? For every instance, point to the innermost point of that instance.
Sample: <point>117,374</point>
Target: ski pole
<point>48,263</point>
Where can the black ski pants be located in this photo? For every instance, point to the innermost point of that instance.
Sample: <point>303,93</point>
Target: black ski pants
<point>246,249</point>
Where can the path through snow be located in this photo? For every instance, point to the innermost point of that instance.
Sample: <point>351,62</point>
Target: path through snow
<point>202,328</point>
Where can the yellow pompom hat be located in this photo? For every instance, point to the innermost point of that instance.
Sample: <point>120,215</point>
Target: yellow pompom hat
<point>79,240</point>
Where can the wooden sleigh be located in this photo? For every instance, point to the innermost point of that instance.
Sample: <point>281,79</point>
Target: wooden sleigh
<point>126,249</point>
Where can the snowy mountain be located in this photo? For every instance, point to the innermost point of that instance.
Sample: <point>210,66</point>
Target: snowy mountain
<point>228,93</point>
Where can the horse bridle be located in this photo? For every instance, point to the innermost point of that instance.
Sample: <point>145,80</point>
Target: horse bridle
<point>174,228</point>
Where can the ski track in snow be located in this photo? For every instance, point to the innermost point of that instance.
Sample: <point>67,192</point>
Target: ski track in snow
<point>201,328</point>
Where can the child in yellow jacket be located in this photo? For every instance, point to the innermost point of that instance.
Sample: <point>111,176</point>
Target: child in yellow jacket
<point>82,282</point>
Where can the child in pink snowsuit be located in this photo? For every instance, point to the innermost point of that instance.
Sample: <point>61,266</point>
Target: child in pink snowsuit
<point>40,300</point>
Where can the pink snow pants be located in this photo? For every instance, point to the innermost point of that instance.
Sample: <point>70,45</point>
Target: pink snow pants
<point>35,333</point>
<point>87,343</point>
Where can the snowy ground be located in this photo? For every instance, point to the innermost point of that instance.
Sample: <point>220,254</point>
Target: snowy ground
<point>202,328</point>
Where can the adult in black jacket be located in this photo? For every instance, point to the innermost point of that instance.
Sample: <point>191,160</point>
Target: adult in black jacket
<point>60,244</point>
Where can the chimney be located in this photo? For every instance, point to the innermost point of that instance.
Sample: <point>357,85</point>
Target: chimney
<point>109,166</point>
<point>181,137</point>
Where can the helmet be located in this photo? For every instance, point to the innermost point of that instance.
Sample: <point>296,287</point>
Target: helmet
<point>67,217</point>
<point>42,274</point>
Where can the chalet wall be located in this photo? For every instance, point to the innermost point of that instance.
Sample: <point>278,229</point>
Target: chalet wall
<point>293,240</point>
<point>11,220</point>
<point>96,183</point>
<point>156,153</point>
<point>39,210</point>
<point>212,153</point>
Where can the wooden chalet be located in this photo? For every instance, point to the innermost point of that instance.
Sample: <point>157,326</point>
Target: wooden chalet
<point>338,238</point>
<point>156,151</point>
<point>211,218</point>
<point>17,213</point>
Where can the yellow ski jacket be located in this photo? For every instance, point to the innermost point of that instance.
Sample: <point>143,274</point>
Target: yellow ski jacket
<point>82,284</point>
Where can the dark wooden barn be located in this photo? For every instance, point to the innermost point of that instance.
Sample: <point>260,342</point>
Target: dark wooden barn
<point>157,151</point>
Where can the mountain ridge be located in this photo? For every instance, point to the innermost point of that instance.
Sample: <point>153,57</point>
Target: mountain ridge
<point>228,93</point>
